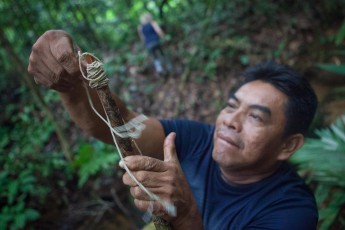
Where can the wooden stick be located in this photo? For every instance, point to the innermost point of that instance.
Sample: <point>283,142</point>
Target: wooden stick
<point>125,144</point>
<point>114,115</point>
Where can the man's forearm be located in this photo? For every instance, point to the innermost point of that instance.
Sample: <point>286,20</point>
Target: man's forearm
<point>80,111</point>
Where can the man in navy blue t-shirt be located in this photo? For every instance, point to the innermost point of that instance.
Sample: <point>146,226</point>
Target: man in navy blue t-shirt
<point>231,175</point>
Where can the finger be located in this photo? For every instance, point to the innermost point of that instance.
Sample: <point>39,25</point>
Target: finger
<point>42,58</point>
<point>148,179</point>
<point>144,163</point>
<point>138,193</point>
<point>154,206</point>
<point>42,80</point>
<point>58,75</point>
<point>36,68</point>
<point>58,78</point>
<point>83,63</point>
<point>169,148</point>
<point>63,52</point>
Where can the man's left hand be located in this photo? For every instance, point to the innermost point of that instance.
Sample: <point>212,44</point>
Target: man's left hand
<point>163,178</point>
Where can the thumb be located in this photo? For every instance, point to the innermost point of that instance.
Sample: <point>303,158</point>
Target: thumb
<point>64,52</point>
<point>169,148</point>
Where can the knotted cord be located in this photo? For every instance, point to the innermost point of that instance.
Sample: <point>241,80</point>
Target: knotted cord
<point>97,79</point>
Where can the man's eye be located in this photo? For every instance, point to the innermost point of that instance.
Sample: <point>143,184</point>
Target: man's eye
<point>231,105</point>
<point>256,117</point>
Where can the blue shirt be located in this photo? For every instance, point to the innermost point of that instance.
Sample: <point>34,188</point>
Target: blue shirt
<point>280,201</point>
<point>150,35</point>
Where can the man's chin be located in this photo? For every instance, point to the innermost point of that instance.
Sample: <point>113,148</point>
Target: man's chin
<point>224,160</point>
<point>219,157</point>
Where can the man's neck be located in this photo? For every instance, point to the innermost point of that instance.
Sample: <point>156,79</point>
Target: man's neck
<point>241,178</point>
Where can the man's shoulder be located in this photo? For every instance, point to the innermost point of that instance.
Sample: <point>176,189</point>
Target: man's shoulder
<point>287,182</point>
<point>272,203</point>
<point>186,124</point>
<point>290,204</point>
<point>290,179</point>
<point>279,199</point>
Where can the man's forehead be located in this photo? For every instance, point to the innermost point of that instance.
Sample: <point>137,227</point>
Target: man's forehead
<point>259,92</point>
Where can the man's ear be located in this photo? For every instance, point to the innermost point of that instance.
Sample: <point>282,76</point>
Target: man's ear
<point>290,146</point>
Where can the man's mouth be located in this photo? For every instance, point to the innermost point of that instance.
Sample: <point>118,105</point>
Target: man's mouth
<point>230,139</point>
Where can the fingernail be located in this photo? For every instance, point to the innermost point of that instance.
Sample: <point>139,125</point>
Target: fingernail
<point>122,164</point>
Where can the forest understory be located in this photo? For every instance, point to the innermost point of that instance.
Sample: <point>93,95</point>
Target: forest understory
<point>209,45</point>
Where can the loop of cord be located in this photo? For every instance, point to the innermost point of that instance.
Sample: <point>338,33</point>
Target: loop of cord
<point>97,79</point>
<point>95,72</point>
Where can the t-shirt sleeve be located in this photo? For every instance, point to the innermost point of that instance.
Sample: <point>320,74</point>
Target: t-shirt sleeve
<point>190,135</point>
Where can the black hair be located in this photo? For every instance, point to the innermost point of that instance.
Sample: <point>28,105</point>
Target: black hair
<point>302,101</point>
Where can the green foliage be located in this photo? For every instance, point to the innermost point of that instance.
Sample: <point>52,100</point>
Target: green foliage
<point>322,160</point>
<point>25,170</point>
<point>339,69</point>
<point>93,159</point>
<point>15,213</point>
<point>280,49</point>
<point>339,38</point>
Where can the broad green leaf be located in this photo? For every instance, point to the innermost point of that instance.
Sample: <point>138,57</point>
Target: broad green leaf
<point>339,69</point>
<point>12,191</point>
<point>31,214</point>
<point>339,38</point>
<point>19,220</point>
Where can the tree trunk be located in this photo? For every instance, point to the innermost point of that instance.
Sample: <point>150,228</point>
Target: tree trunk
<point>161,6</point>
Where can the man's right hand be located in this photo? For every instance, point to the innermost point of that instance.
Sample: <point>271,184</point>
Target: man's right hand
<point>53,61</point>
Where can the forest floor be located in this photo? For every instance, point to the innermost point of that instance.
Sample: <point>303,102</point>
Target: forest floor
<point>172,96</point>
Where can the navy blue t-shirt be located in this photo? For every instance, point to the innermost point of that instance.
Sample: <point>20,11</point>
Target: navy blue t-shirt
<point>280,201</point>
<point>150,36</point>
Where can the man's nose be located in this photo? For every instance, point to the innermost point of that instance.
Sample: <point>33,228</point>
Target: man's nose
<point>234,121</point>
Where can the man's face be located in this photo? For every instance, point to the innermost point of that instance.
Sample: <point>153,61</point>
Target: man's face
<point>249,130</point>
